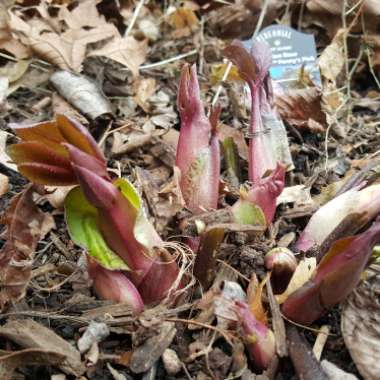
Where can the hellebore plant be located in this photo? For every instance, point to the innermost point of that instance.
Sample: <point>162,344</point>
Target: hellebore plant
<point>253,67</point>
<point>335,277</point>
<point>363,204</point>
<point>259,339</point>
<point>127,259</point>
<point>198,155</point>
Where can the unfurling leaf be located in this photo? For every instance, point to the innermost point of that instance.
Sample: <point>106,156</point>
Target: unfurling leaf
<point>42,156</point>
<point>81,219</point>
<point>104,216</point>
<point>253,67</point>
<point>198,155</point>
<point>115,286</point>
<point>26,225</point>
<point>258,206</point>
<point>335,277</point>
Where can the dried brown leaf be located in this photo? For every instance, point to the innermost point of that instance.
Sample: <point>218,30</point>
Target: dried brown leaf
<point>4,184</point>
<point>127,51</point>
<point>67,50</point>
<point>361,326</point>
<point>30,334</point>
<point>83,93</point>
<point>26,225</point>
<point>302,109</point>
<point>85,14</point>
<point>12,360</point>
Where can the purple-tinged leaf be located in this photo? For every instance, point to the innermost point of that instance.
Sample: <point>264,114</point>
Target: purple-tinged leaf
<point>253,68</point>
<point>42,156</point>
<point>114,286</point>
<point>263,194</point>
<point>45,174</point>
<point>262,55</point>
<point>335,277</point>
<point>259,339</point>
<point>240,57</point>
<point>83,159</point>
<point>159,279</point>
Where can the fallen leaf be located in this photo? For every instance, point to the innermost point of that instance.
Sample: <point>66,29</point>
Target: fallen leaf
<point>83,93</point>
<point>4,158</point>
<point>7,42</point>
<point>127,51</point>
<point>66,50</point>
<point>301,275</point>
<point>85,14</point>
<point>298,194</point>
<point>218,70</point>
<point>361,326</point>
<point>255,298</point>
<point>144,356</point>
<point>4,184</point>
<point>12,360</point>
<point>146,87</point>
<point>331,61</point>
<point>183,20</point>
<point>329,14</point>
<point>26,225</point>
<point>29,334</point>
<point>302,109</point>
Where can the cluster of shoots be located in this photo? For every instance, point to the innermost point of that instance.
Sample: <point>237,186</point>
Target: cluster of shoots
<point>126,257</point>
<point>128,261</point>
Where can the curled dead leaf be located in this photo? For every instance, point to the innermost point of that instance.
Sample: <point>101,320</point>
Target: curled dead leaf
<point>301,275</point>
<point>361,326</point>
<point>302,109</point>
<point>82,93</point>
<point>31,335</point>
<point>127,51</point>
<point>11,360</point>
<point>26,225</point>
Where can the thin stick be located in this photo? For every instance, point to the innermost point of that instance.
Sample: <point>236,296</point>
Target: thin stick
<point>205,325</point>
<point>134,17</point>
<point>169,60</point>
<point>229,66</point>
<point>321,341</point>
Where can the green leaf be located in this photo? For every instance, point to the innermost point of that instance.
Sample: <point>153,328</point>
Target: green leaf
<point>81,220</point>
<point>246,212</point>
<point>144,232</point>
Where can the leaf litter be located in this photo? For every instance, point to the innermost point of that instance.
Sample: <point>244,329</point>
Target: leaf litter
<point>130,67</point>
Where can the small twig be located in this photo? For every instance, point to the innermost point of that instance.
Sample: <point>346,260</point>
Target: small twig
<point>226,336</point>
<point>321,341</point>
<point>278,323</point>
<point>202,46</point>
<point>134,17</point>
<point>169,60</point>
